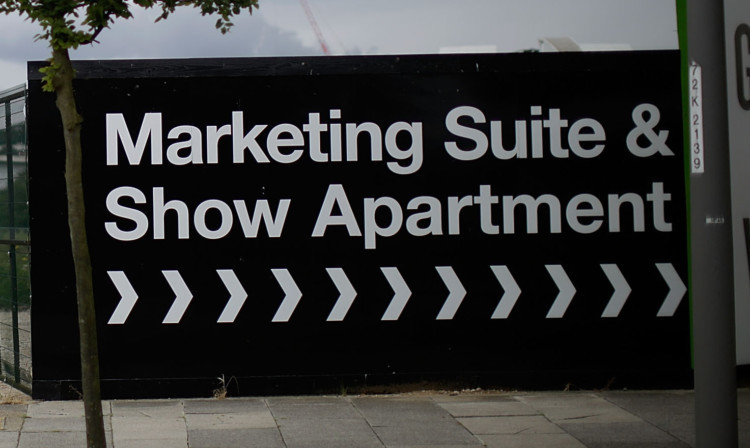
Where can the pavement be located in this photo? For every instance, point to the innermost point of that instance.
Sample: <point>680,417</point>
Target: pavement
<point>466,419</point>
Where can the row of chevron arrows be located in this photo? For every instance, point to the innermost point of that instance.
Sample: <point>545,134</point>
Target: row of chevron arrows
<point>402,293</point>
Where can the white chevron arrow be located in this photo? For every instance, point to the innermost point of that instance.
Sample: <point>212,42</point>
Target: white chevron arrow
<point>237,296</point>
<point>567,291</point>
<point>292,295</point>
<point>677,289</point>
<point>347,293</point>
<point>182,299</point>
<point>128,297</point>
<point>401,293</point>
<point>621,292</point>
<point>510,294</point>
<point>456,293</point>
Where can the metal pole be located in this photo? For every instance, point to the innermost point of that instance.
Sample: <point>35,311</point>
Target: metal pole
<point>711,240</point>
<point>8,142</point>
<point>12,247</point>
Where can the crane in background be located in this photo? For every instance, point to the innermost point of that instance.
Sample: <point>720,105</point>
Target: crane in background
<point>316,28</point>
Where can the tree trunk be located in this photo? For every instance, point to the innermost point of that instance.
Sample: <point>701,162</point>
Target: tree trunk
<point>63,84</point>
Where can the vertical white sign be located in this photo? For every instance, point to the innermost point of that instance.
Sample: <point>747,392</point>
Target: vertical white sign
<point>696,119</point>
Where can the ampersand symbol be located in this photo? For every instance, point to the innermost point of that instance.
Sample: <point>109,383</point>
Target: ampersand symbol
<point>644,127</point>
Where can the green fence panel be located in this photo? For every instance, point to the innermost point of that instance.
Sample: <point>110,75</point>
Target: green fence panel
<point>15,248</point>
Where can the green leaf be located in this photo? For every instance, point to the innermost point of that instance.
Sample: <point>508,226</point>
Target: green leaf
<point>49,73</point>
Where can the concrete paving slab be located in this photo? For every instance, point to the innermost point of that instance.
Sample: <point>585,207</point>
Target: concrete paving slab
<point>333,444</point>
<point>148,408</point>
<point>525,424</point>
<point>231,421</point>
<point>150,444</point>
<point>431,434</point>
<point>641,434</point>
<point>234,438</point>
<point>49,409</point>
<point>13,409</point>
<point>413,421</point>
<point>474,398</point>
<point>12,416</point>
<point>56,439</point>
<point>577,407</point>
<point>437,446</point>
<point>13,423</point>
<point>55,409</point>
<point>145,428</point>
<point>486,407</point>
<point>9,439</point>
<point>389,411</point>
<point>54,424</point>
<point>307,399</point>
<point>225,406</point>
<point>671,411</point>
<point>530,440</point>
<point>286,408</point>
<point>619,419</point>
<point>312,433</point>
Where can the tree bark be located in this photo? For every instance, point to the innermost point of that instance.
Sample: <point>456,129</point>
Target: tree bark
<point>63,84</point>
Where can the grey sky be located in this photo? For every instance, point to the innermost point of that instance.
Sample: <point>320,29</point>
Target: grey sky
<point>280,27</point>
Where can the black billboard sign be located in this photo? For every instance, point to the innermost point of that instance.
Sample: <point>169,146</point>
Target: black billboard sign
<point>368,217</point>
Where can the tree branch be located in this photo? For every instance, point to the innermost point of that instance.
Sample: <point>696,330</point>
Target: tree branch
<point>93,37</point>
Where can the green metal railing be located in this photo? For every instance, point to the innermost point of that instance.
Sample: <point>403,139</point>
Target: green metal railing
<point>15,292</point>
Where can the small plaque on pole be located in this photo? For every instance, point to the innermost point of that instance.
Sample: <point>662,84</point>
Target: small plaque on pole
<point>696,119</point>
